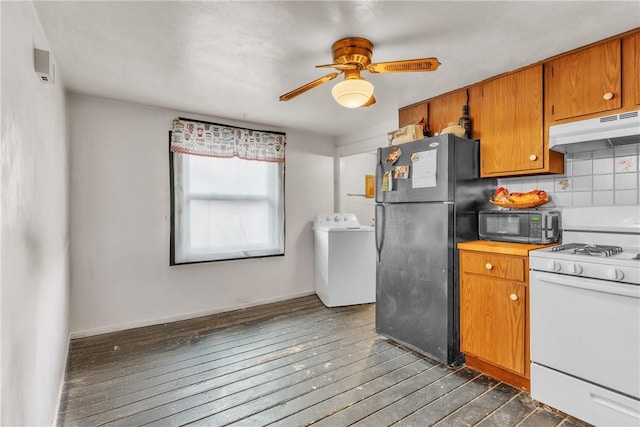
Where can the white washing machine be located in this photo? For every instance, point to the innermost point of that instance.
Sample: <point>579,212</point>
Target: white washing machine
<point>345,260</point>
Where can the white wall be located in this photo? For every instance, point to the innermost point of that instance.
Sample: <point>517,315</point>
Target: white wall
<point>352,185</point>
<point>120,211</point>
<point>356,157</point>
<point>365,140</point>
<point>34,227</point>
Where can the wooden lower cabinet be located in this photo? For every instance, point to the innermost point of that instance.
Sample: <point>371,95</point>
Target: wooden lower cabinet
<point>492,321</point>
<point>494,309</point>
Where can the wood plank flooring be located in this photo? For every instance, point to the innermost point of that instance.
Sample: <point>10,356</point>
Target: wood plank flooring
<point>291,363</point>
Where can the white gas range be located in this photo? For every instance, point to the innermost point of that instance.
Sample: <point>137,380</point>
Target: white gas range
<point>585,317</point>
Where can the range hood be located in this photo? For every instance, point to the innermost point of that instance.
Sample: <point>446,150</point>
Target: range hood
<point>596,134</point>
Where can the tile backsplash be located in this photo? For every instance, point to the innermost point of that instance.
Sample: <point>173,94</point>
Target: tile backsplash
<point>595,178</point>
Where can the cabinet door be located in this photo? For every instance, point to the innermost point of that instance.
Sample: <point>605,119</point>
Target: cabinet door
<point>412,115</point>
<point>631,70</point>
<point>493,321</point>
<point>584,82</point>
<point>475,110</point>
<point>512,123</point>
<point>446,109</point>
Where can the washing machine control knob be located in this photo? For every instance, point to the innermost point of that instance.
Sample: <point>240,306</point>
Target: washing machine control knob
<point>336,219</point>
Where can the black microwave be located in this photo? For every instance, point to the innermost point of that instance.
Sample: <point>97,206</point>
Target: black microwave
<point>525,226</point>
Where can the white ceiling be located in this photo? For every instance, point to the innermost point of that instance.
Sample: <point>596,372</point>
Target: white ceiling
<point>233,59</point>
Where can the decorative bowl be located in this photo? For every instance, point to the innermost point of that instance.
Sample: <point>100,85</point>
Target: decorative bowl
<point>520,205</point>
<point>457,130</point>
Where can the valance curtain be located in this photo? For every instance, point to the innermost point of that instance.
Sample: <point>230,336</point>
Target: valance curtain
<point>227,192</point>
<point>215,140</point>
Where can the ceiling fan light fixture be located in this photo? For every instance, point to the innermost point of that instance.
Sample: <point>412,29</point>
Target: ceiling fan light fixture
<point>352,93</point>
<point>351,56</point>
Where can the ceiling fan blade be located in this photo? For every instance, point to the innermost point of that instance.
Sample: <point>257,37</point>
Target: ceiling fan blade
<point>287,96</point>
<point>370,102</point>
<point>339,66</point>
<point>408,65</point>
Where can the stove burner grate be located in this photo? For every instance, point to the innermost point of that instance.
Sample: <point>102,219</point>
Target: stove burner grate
<point>588,249</point>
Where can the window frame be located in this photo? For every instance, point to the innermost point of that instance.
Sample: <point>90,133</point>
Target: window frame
<point>219,197</point>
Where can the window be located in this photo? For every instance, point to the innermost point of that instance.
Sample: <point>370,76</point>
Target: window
<point>225,207</point>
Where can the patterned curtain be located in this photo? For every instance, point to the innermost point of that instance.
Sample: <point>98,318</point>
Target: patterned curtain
<point>216,140</point>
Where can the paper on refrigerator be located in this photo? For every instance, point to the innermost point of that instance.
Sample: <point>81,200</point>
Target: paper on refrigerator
<point>424,169</point>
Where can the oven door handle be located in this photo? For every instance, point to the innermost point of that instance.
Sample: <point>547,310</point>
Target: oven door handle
<point>614,288</point>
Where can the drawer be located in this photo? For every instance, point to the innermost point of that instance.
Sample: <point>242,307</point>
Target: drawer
<point>589,402</point>
<point>498,266</point>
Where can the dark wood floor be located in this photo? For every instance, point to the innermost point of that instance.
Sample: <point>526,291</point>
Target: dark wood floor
<point>291,363</point>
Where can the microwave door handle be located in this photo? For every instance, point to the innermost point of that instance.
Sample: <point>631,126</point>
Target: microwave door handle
<point>546,228</point>
<point>551,230</point>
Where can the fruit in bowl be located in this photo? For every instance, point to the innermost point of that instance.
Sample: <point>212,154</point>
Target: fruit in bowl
<point>530,199</point>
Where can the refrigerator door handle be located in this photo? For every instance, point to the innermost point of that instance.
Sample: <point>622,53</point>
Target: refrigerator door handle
<point>379,223</point>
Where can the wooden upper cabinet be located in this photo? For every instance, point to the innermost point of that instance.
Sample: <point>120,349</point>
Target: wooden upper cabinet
<point>584,82</point>
<point>446,109</point>
<point>512,125</point>
<point>631,70</point>
<point>475,110</point>
<point>412,114</point>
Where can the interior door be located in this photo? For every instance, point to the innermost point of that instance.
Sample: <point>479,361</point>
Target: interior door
<point>415,298</point>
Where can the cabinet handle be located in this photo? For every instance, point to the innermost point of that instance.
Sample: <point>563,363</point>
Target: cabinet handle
<point>607,96</point>
<point>514,297</point>
<point>488,266</point>
<point>533,157</point>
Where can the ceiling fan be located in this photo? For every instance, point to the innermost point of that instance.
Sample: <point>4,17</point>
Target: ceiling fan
<point>351,56</point>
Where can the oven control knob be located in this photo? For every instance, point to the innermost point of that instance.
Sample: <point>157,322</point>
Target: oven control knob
<point>554,266</point>
<point>574,268</point>
<point>615,274</point>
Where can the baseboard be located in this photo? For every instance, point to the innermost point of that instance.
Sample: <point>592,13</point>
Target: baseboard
<point>176,318</point>
<point>499,373</point>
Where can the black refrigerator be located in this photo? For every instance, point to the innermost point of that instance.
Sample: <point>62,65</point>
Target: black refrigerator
<point>428,194</point>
